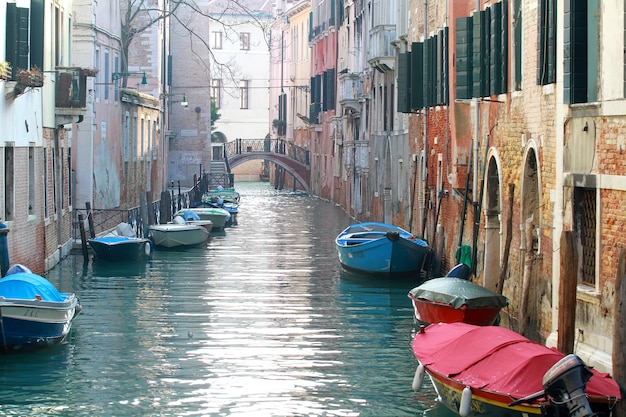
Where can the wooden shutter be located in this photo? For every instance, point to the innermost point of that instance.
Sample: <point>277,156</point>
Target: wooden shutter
<point>417,76</point>
<point>463,57</point>
<point>404,73</point>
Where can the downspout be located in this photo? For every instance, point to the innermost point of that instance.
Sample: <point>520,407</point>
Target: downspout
<point>475,173</point>
<point>424,127</point>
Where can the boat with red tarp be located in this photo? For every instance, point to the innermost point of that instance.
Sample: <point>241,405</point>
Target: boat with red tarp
<point>449,300</point>
<point>482,370</point>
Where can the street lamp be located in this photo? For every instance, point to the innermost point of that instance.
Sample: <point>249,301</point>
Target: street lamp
<point>117,75</point>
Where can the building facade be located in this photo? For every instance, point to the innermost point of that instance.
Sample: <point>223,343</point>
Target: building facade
<point>479,127</point>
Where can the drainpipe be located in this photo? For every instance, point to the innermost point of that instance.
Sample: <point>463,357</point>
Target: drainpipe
<point>425,126</point>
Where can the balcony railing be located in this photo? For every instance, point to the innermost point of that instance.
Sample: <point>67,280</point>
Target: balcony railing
<point>350,90</point>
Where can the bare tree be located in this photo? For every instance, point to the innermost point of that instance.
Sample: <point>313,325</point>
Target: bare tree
<point>140,15</point>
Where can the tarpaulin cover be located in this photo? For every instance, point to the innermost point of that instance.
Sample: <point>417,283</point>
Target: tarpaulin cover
<point>495,359</point>
<point>26,286</point>
<point>458,292</point>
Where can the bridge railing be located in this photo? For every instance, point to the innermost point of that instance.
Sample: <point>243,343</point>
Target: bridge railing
<point>280,146</point>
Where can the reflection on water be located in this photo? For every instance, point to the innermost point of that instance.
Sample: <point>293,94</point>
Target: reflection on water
<point>260,321</point>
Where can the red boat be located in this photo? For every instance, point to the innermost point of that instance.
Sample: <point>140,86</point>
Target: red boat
<point>481,370</point>
<point>450,300</point>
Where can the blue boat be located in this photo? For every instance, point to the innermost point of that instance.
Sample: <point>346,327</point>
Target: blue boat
<point>33,313</point>
<point>381,248</point>
<point>120,248</point>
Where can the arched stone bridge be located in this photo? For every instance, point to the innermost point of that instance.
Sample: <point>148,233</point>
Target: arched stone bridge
<point>294,159</point>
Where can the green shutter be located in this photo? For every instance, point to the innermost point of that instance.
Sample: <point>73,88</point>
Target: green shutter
<point>404,71</point>
<point>593,46</point>
<point>417,76</point>
<point>497,53</point>
<point>445,68</point>
<point>517,33</point>
<point>578,54</point>
<point>330,98</point>
<point>428,72</point>
<point>36,33</point>
<point>480,54</point>
<point>463,57</point>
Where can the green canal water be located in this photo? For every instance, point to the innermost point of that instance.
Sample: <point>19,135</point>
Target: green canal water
<point>260,321</point>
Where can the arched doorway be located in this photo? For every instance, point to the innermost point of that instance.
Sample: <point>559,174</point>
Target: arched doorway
<point>531,226</point>
<point>493,225</point>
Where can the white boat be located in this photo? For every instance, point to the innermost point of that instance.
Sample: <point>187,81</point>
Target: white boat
<point>218,216</point>
<point>33,314</point>
<point>171,235</point>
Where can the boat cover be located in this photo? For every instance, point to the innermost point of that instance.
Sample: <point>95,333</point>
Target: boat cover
<point>457,293</point>
<point>26,286</point>
<point>496,359</point>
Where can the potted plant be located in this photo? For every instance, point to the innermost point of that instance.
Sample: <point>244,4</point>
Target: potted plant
<point>5,70</point>
<point>30,78</point>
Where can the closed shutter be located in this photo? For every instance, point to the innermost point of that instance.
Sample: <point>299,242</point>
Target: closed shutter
<point>417,76</point>
<point>404,71</point>
<point>464,29</point>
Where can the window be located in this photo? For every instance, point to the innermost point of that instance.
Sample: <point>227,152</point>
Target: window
<point>98,76</point>
<point>546,72</point>
<point>585,224</point>
<point>116,86</point>
<point>70,177</point>
<point>216,92</point>
<point>244,91</point>
<point>45,183</point>
<point>107,75</point>
<point>31,181</point>
<point>580,55</point>
<point>155,125</point>
<point>126,134</point>
<point>517,44</point>
<point>244,41</point>
<point>9,183</point>
<point>217,40</point>
<point>481,53</point>
<point>142,130</point>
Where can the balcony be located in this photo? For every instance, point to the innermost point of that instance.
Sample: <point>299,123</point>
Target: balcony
<point>382,54</point>
<point>70,93</point>
<point>350,91</point>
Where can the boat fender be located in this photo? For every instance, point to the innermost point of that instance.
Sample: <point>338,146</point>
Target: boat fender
<point>147,248</point>
<point>393,236</point>
<point>466,401</point>
<point>418,379</point>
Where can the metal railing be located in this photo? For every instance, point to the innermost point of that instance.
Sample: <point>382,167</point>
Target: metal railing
<point>280,146</point>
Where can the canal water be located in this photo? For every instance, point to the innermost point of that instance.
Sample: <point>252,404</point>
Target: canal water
<point>260,321</point>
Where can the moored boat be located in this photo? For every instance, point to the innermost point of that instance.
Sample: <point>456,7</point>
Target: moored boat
<point>33,313</point>
<point>117,248</point>
<point>450,300</point>
<point>218,216</point>
<point>381,248</point>
<point>485,370</point>
<point>172,235</point>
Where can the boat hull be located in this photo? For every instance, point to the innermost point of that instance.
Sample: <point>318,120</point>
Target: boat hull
<point>34,324</point>
<point>450,300</point>
<point>383,249</point>
<point>483,369</point>
<point>174,235</point>
<point>116,248</point>
<point>217,216</point>
<point>432,312</point>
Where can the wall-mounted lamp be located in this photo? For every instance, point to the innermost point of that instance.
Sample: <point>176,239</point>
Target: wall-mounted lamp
<point>586,127</point>
<point>184,101</point>
<point>117,75</point>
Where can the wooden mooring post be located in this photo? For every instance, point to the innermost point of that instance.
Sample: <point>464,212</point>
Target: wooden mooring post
<point>83,236</point>
<point>568,281</point>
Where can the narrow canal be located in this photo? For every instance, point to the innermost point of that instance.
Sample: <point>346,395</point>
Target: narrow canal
<point>261,321</point>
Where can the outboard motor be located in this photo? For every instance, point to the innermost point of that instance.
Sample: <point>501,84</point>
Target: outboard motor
<point>565,383</point>
<point>564,386</point>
